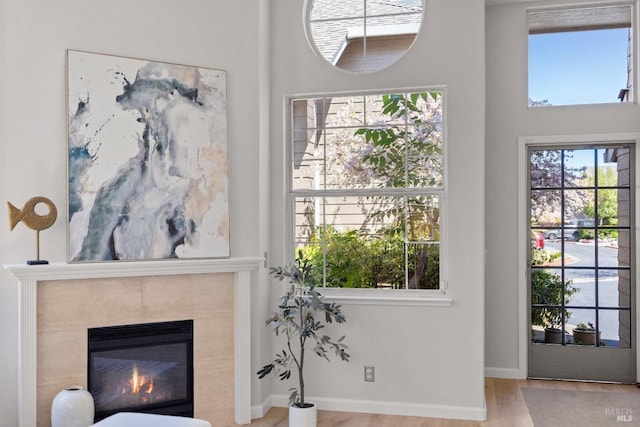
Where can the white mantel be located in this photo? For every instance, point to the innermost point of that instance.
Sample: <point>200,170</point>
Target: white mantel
<point>29,275</point>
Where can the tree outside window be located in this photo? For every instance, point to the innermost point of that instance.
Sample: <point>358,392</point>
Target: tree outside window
<point>367,186</point>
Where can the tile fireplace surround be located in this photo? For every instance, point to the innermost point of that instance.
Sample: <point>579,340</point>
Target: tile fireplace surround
<point>58,302</point>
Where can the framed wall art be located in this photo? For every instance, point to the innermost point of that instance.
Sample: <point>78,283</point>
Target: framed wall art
<point>147,160</point>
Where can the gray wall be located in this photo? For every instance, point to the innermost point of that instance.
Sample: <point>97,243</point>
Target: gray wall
<point>34,34</point>
<point>426,358</point>
<point>429,358</point>
<point>507,119</point>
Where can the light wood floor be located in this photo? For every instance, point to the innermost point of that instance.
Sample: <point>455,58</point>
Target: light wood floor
<point>505,408</point>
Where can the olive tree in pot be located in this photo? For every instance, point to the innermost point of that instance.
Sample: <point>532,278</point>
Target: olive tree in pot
<point>301,314</point>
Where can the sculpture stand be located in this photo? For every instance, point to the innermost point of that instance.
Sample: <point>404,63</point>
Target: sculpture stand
<point>37,261</point>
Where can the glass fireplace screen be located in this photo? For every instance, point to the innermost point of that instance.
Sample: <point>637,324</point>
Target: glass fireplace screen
<point>142,368</point>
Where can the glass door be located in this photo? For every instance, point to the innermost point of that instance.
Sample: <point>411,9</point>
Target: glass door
<point>581,263</point>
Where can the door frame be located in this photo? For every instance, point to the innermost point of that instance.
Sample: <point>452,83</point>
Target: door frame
<point>524,142</point>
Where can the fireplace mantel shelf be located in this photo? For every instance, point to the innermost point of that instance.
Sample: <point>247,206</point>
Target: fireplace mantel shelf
<point>65,271</point>
<point>29,275</point>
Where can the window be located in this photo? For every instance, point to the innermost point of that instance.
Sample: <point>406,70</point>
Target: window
<point>581,202</point>
<point>367,184</point>
<point>580,55</point>
<point>363,35</point>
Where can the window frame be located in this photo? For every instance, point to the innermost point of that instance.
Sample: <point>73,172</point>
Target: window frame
<point>524,238</point>
<point>405,297</point>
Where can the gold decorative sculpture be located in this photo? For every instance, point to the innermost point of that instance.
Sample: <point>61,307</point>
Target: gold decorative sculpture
<point>29,217</point>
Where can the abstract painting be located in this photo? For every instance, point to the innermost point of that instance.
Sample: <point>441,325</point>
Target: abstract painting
<point>147,160</point>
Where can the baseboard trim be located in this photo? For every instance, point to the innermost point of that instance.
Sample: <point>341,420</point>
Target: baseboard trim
<point>259,411</point>
<point>508,373</point>
<point>386,408</point>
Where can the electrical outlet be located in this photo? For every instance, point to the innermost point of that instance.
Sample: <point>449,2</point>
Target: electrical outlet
<point>369,373</point>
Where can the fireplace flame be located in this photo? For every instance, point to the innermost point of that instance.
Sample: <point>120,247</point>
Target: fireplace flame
<point>139,383</point>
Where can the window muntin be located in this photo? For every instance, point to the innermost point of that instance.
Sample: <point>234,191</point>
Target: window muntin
<point>367,180</point>
<point>363,35</point>
<point>581,204</point>
<point>580,55</point>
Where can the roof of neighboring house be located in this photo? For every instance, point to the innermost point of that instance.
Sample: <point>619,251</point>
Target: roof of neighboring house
<point>331,20</point>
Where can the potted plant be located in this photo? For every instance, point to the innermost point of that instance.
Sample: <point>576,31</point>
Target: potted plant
<point>300,316</point>
<point>585,334</point>
<point>547,293</point>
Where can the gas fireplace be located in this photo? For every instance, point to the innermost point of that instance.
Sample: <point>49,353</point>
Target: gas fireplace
<point>142,368</point>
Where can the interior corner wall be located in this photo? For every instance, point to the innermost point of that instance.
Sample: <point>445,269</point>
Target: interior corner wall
<point>34,35</point>
<point>426,358</point>
<point>508,117</point>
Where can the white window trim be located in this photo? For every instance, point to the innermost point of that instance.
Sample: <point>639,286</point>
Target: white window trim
<point>399,297</point>
<point>396,297</point>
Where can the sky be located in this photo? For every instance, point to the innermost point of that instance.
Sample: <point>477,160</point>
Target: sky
<point>579,67</point>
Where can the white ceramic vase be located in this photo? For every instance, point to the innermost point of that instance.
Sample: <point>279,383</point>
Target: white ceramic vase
<point>303,417</point>
<point>72,407</point>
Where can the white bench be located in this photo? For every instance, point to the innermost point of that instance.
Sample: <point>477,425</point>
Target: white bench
<point>134,419</point>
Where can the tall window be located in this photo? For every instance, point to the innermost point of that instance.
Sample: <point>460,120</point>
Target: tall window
<point>366,188</point>
<point>580,55</point>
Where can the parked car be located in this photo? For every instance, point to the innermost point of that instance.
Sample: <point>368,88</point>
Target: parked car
<point>570,230</point>
<point>553,234</point>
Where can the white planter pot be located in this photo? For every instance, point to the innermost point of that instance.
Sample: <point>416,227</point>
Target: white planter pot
<point>303,417</point>
<point>72,407</point>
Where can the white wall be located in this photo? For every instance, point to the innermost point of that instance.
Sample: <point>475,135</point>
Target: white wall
<point>508,118</point>
<point>34,34</point>
<point>427,359</point>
